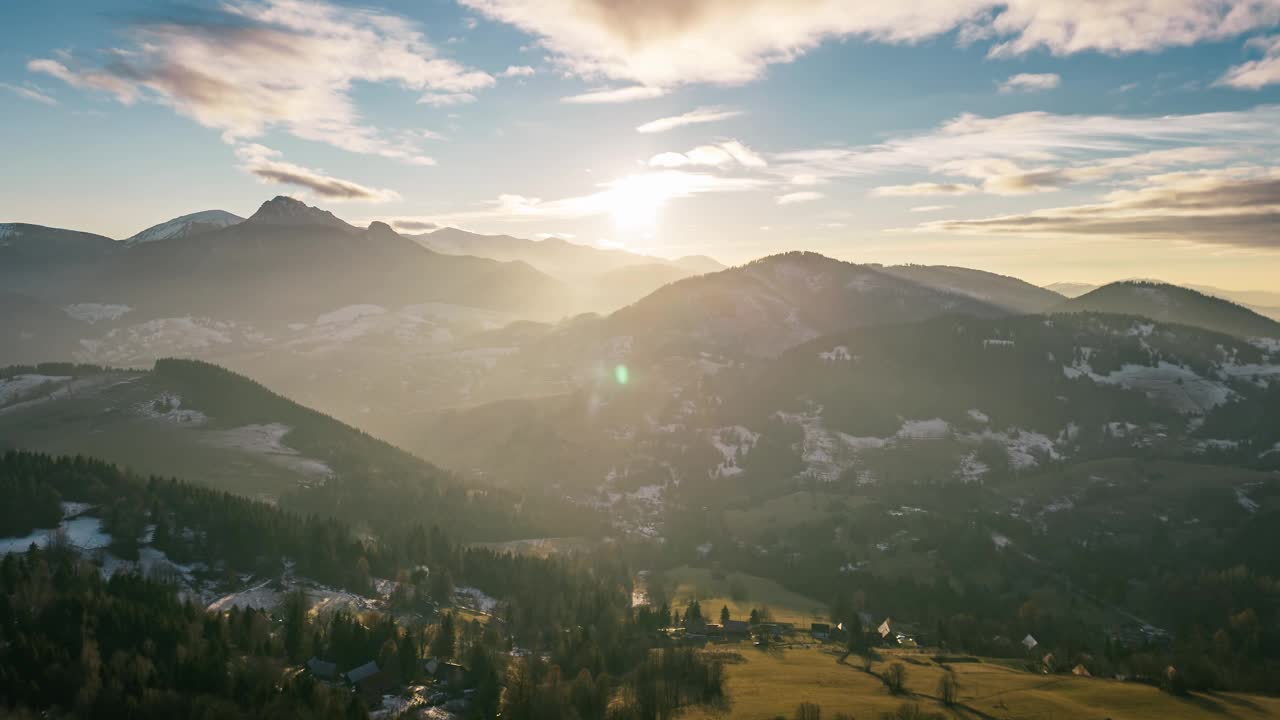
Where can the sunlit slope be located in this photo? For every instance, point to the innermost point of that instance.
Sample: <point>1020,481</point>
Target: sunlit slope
<point>207,425</point>
<point>764,685</point>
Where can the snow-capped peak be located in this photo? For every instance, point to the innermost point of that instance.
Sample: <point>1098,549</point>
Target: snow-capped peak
<point>186,225</point>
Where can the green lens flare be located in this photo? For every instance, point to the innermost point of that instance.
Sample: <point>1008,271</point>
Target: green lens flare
<point>621,375</point>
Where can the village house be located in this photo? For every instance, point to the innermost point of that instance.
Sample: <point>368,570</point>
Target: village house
<point>322,669</point>
<point>370,681</point>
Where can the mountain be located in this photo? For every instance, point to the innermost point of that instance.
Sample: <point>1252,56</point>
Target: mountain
<point>288,262</point>
<point>699,264</point>
<point>1014,295</point>
<point>1071,289</point>
<point>40,261</point>
<point>952,399</point>
<point>218,429</point>
<point>1260,301</point>
<point>32,330</point>
<point>186,225</point>
<point>1171,303</point>
<point>774,303</point>
<point>553,256</point>
<point>607,279</point>
<point>284,210</point>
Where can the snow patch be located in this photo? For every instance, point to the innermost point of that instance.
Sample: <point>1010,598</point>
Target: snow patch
<point>168,407</point>
<point>475,599</point>
<point>268,441</point>
<point>971,468</point>
<point>935,429</point>
<point>83,533</point>
<point>838,353</point>
<point>732,442</point>
<point>15,388</point>
<point>96,312</point>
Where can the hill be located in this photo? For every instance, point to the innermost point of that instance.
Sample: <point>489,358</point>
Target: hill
<point>203,423</point>
<point>774,303</point>
<point>1171,303</point>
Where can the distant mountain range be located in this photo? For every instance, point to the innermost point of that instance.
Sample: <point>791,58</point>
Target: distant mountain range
<point>554,256</point>
<point>1260,301</point>
<point>374,326</point>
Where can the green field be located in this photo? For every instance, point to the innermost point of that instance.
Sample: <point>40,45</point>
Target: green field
<point>740,592</point>
<point>768,684</point>
<point>785,512</point>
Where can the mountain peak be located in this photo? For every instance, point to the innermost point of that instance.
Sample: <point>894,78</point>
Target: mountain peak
<point>284,210</point>
<point>186,225</point>
<point>377,227</point>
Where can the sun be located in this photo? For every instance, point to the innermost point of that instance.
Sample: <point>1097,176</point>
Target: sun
<point>635,202</point>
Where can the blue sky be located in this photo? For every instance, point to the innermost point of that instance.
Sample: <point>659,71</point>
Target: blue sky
<point>1050,139</point>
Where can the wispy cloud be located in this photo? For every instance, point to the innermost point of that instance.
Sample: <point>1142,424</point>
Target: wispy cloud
<point>414,225</point>
<point>1234,206</point>
<point>665,43</point>
<point>1030,82</point>
<point>446,99</point>
<point>1256,74</point>
<point>796,198</point>
<point>724,154</point>
<point>30,92</point>
<point>615,95</point>
<point>1036,151</point>
<point>923,188</point>
<point>264,163</point>
<point>930,208</point>
<point>693,117</point>
<point>515,71</point>
<point>261,64</point>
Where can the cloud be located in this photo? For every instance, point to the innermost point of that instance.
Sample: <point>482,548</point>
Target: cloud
<point>1030,82</point>
<point>263,162</point>
<point>665,43</point>
<point>1256,74</point>
<point>1233,206</point>
<point>693,117</point>
<point>124,91</point>
<point>256,65</point>
<point>796,198</point>
<point>30,92</point>
<point>414,225</point>
<point>1036,151</point>
<point>725,154</point>
<point>517,71</point>
<point>930,208</point>
<point>615,95</point>
<point>446,99</point>
<point>923,188</point>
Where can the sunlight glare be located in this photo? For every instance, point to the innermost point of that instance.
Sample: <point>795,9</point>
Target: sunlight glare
<point>636,201</point>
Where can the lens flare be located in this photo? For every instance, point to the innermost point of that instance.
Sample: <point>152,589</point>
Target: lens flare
<point>621,374</point>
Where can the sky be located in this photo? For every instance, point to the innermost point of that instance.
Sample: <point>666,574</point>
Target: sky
<point>1054,140</point>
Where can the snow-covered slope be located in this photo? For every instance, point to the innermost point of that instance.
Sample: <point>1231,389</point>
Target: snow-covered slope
<point>186,225</point>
